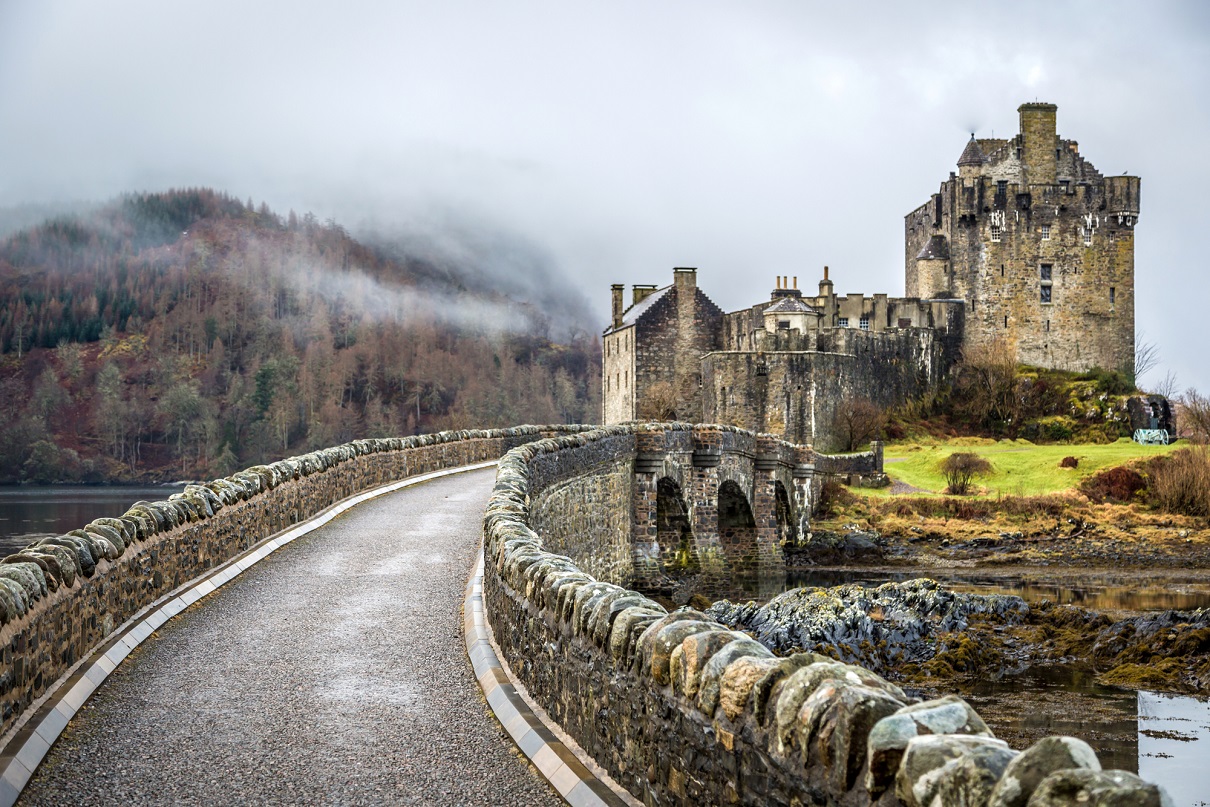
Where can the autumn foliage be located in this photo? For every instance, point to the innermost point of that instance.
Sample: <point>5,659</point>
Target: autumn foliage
<point>188,334</point>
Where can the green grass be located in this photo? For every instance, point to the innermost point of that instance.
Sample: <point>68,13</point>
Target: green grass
<point>1020,468</point>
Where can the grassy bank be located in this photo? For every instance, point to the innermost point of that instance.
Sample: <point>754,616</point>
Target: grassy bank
<point>1019,467</point>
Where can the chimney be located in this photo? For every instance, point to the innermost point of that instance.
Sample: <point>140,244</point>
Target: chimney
<point>825,285</point>
<point>617,289</point>
<point>796,281</point>
<point>685,278</point>
<point>641,292</point>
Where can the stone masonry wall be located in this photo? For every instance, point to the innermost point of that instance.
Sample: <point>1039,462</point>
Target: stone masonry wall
<point>681,710</point>
<point>61,597</point>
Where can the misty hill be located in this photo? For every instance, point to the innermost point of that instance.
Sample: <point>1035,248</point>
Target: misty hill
<point>186,334</point>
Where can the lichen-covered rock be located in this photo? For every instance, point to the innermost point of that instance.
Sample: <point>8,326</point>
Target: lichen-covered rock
<point>710,680</point>
<point>1089,788</point>
<point>833,725</point>
<point>924,760</point>
<point>767,689</point>
<point>804,681</point>
<point>877,628</point>
<point>689,659</point>
<point>889,739</point>
<point>739,682</point>
<point>627,629</point>
<point>28,575</point>
<point>661,637</point>
<point>81,557</point>
<point>606,612</point>
<point>1041,759</point>
<point>13,599</point>
<point>968,781</point>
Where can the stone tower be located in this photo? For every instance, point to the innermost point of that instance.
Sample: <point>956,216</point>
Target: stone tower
<point>1039,245</point>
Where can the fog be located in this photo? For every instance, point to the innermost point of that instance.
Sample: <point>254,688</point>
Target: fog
<point>561,147</point>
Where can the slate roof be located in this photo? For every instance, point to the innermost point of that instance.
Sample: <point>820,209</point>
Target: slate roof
<point>972,154</point>
<point>632,314</point>
<point>790,305</point>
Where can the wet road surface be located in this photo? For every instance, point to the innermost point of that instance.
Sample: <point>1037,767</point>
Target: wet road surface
<point>332,672</point>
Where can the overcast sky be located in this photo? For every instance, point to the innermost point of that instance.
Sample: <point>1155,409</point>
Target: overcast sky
<point>616,140</point>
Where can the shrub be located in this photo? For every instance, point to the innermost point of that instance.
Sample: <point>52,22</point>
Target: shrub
<point>1117,485</point>
<point>1111,382</point>
<point>1180,482</point>
<point>1069,462</point>
<point>831,496</point>
<point>960,468</point>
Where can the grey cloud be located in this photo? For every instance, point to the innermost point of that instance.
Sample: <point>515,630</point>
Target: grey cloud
<point>609,142</point>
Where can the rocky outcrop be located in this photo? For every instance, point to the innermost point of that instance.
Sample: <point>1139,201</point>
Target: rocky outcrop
<point>881,627</point>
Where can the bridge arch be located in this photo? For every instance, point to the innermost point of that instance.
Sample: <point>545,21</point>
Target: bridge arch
<point>736,526</point>
<point>674,529</point>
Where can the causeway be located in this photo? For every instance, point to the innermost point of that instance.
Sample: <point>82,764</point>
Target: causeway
<point>333,671</point>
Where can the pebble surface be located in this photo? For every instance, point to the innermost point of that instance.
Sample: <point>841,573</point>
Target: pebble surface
<point>332,672</point>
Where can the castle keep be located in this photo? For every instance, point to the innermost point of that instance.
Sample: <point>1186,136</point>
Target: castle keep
<point>1038,243</point>
<point>1027,245</point>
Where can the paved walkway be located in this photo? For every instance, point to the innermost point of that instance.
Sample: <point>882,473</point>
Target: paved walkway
<point>332,672</point>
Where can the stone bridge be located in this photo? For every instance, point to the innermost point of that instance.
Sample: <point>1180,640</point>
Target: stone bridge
<point>319,675</point>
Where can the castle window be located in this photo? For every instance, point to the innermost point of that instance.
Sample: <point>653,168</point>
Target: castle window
<point>1046,271</point>
<point>1045,232</point>
<point>1087,231</point>
<point>1046,293</point>
<point>1005,320</point>
<point>864,323</point>
<point>783,325</point>
<point>996,230</point>
<point>1113,295</point>
<point>844,322</point>
<point>1065,184</point>
<point>1001,270</point>
<point>1047,326</point>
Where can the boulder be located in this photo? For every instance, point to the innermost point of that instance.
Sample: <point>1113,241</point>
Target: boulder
<point>889,739</point>
<point>1089,788</point>
<point>834,724</point>
<point>968,781</point>
<point>710,681</point>
<point>926,757</point>
<point>1041,759</point>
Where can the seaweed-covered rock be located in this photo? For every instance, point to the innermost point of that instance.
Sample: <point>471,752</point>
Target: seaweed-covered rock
<point>877,628</point>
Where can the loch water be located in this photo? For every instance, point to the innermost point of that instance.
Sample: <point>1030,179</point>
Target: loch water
<point>30,513</point>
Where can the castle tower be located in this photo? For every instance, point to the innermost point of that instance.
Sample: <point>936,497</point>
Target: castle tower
<point>1039,245</point>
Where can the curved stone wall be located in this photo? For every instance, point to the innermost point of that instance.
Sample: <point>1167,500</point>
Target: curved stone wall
<point>680,709</point>
<point>61,597</point>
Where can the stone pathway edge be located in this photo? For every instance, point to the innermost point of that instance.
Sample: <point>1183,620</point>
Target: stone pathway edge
<point>555,756</point>
<point>30,742</point>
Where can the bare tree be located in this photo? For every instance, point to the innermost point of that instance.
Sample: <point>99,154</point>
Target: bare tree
<point>1193,415</point>
<point>1146,357</point>
<point>858,421</point>
<point>659,402</point>
<point>1168,387</point>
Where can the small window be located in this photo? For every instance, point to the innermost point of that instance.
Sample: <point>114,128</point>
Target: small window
<point>905,323</point>
<point>1113,295</point>
<point>783,325</point>
<point>1046,294</point>
<point>844,322</point>
<point>1046,271</point>
<point>1087,231</point>
<point>1065,184</point>
<point>1047,329</point>
<point>1001,270</point>
<point>864,323</point>
<point>996,230</point>
<point>1045,232</point>
<point>1005,320</point>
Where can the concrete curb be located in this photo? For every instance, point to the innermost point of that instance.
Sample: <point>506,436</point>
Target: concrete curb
<point>31,741</point>
<point>539,742</point>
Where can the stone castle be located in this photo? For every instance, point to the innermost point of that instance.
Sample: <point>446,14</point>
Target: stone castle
<point>1027,245</point>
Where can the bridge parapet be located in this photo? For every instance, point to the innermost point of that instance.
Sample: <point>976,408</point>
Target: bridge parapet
<point>60,598</point>
<point>680,709</point>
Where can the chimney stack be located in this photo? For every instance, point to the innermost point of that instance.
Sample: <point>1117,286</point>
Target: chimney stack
<point>617,289</point>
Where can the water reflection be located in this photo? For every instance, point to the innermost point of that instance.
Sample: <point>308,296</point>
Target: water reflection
<point>1174,733</point>
<point>27,514</point>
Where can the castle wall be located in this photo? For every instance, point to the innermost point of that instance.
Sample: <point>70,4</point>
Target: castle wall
<point>798,395</point>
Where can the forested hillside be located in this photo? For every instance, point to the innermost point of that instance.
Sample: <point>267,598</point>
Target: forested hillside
<point>187,334</point>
